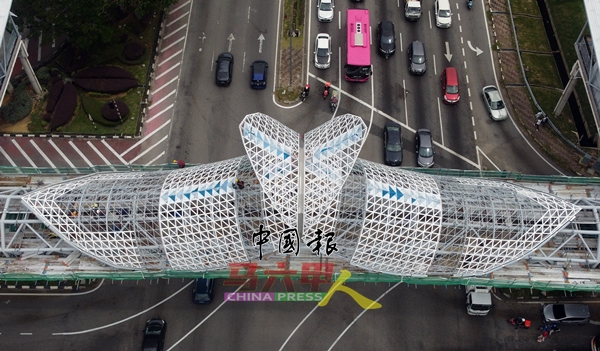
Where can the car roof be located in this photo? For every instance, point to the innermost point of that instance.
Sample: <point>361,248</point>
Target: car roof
<point>418,48</point>
<point>425,136</point>
<point>323,40</point>
<point>451,76</point>
<point>226,55</point>
<point>492,91</point>
<point>387,26</point>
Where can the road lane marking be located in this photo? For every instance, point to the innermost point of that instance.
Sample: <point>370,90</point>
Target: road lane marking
<point>128,318</point>
<point>405,126</point>
<point>173,44</point>
<point>24,153</point>
<point>114,152</point>
<point>434,66</point>
<point>166,85</point>
<point>489,159</point>
<point>177,19</point>
<point>80,154</point>
<point>9,159</point>
<point>179,7</point>
<point>160,113</point>
<point>43,155</point>
<point>169,70</point>
<point>25,333</point>
<point>108,163</point>
<point>150,148</point>
<point>156,158</point>
<point>55,294</point>
<point>360,315</point>
<point>65,157</point>
<point>206,318</point>
<point>170,57</point>
<point>146,137</point>
<point>154,104</point>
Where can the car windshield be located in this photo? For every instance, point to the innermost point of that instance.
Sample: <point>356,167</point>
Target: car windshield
<point>418,59</point>
<point>444,13</point>
<point>358,70</point>
<point>202,297</point>
<point>325,6</point>
<point>558,311</point>
<point>322,52</point>
<point>153,329</point>
<point>387,39</point>
<point>497,105</point>
<point>394,147</point>
<point>426,151</point>
<point>452,89</point>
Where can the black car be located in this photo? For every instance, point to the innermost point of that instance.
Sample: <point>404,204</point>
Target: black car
<point>204,291</point>
<point>258,74</point>
<point>154,335</point>
<point>387,38</point>
<point>392,144</point>
<point>224,69</point>
<point>424,148</point>
<point>417,61</point>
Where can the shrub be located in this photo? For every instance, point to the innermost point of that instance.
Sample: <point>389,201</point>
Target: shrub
<point>47,117</point>
<point>73,59</point>
<point>104,72</point>
<point>133,51</point>
<point>93,108</point>
<point>112,86</point>
<point>112,109</point>
<point>65,107</point>
<point>43,75</point>
<point>54,95</point>
<point>19,108</point>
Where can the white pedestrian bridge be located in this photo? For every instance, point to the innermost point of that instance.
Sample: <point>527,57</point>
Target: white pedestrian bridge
<point>296,201</point>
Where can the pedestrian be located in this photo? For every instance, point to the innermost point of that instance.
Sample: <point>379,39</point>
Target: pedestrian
<point>539,115</point>
<point>537,124</point>
<point>544,120</point>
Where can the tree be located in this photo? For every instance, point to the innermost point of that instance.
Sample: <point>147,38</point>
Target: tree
<point>87,23</point>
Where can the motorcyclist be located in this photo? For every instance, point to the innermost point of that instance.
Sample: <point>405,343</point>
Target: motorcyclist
<point>334,100</point>
<point>469,4</point>
<point>326,89</point>
<point>306,89</point>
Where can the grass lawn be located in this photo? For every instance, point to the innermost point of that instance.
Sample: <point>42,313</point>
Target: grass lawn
<point>542,70</point>
<point>531,34</point>
<point>547,99</point>
<point>568,17</point>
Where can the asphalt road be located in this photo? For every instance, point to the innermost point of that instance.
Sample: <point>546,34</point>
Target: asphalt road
<point>411,318</point>
<point>205,128</point>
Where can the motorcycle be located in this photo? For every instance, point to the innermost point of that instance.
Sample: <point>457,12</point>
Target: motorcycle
<point>334,102</point>
<point>304,95</point>
<point>326,92</point>
<point>469,4</point>
<point>520,322</point>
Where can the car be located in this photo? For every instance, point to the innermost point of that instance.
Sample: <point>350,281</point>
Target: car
<point>258,74</point>
<point>224,69</point>
<point>204,291</point>
<point>424,148</point>
<point>325,10</point>
<point>386,37</point>
<point>417,61</point>
<point>392,144</point>
<point>154,335</point>
<point>323,51</point>
<point>450,89</point>
<point>568,313</point>
<point>443,14</point>
<point>494,103</point>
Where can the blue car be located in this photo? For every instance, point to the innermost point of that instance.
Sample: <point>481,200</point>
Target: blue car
<point>258,77</point>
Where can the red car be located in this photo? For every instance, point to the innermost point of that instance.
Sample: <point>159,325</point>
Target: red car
<point>450,90</point>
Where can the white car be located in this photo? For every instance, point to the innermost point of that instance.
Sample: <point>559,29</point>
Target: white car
<point>443,14</point>
<point>325,10</point>
<point>494,103</point>
<point>323,51</point>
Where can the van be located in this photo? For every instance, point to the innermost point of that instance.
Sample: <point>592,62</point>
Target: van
<point>450,89</point>
<point>204,291</point>
<point>443,14</point>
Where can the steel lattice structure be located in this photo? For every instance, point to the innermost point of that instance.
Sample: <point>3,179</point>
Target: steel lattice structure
<point>384,219</point>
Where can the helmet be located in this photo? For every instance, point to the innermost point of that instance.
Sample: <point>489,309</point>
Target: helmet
<point>307,86</point>
<point>327,84</point>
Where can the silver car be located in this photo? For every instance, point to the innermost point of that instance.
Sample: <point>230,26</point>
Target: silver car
<point>569,313</point>
<point>424,148</point>
<point>323,51</point>
<point>494,103</point>
<point>325,10</point>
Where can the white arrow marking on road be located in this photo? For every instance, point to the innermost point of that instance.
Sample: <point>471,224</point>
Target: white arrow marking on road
<point>261,38</point>
<point>231,39</point>
<point>203,37</point>
<point>476,49</point>
<point>448,54</point>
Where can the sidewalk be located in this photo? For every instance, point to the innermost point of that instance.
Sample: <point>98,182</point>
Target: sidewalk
<point>522,107</point>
